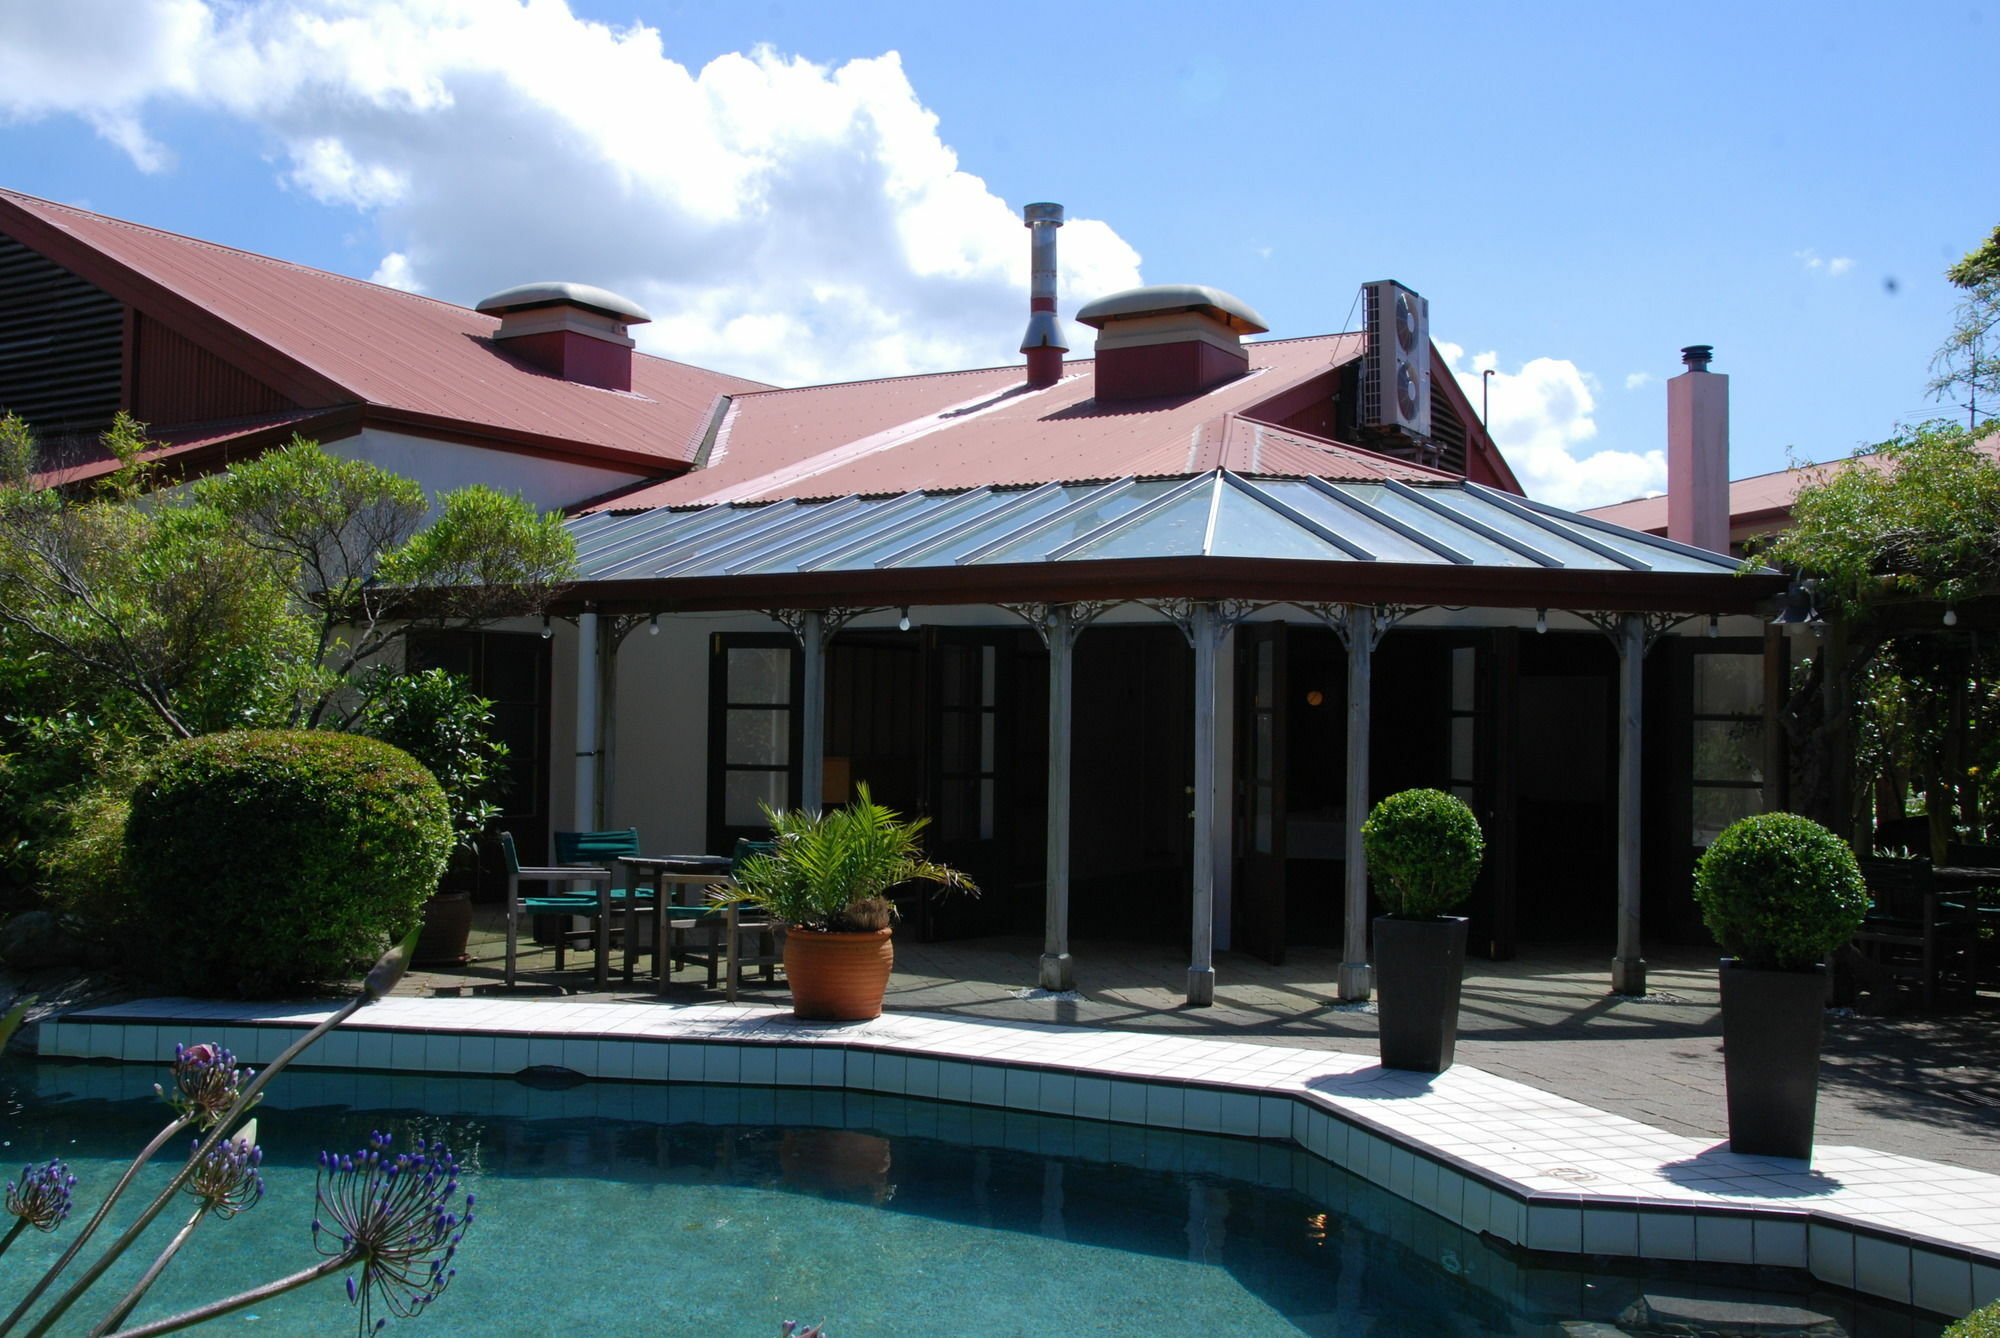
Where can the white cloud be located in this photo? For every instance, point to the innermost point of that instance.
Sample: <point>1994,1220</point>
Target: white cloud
<point>1813,262</point>
<point>787,220</point>
<point>1541,417</point>
<point>1639,380</point>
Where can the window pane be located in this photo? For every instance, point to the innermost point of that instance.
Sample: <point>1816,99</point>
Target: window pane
<point>1715,809</point>
<point>951,741</point>
<point>1461,748</point>
<point>1728,685</point>
<point>1267,675</point>
<point>954,815</point>
<point>989,660</point>
<point>760,674</point>
<point>758,738</point>
<point>1260,827</point>
<point>741,791</point>
<point>986,742</point>
<point>986,808</point>
<point>1463,661</point>
<point>1266,746</point>
<point>1728,750</point>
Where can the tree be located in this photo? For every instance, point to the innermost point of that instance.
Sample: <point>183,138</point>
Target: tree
<point>255,596</point>
<point>1967,367</point>
<point>1896,541</point>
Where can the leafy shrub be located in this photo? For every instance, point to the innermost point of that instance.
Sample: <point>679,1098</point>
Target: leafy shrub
<point>833,870</point>
<point>439,720</point>
<point>1981,1323</point>
<point>1780,892</point>
<point>1424,846</point>
<point>266,859</point>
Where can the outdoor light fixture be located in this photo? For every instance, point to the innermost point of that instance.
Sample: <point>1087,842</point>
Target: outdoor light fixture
<point>1714,628</point>
<point>547,631</point>
<point>653,626</point>
<point>903,624</point>
<point>1541,620</point>
<point>1950,616</point>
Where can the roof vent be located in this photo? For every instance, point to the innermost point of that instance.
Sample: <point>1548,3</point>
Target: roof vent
<point>1044,343</point>
<point>571,330</point>
<point>1169,339</point>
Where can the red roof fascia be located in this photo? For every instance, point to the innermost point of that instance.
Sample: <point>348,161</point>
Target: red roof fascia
<point>192,452</point>
<point>1271,579</point>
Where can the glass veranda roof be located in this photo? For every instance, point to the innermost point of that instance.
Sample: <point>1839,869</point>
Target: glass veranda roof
<point>1217,514</point>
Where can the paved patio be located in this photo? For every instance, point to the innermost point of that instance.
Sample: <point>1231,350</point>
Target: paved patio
<point>1914,1085</point>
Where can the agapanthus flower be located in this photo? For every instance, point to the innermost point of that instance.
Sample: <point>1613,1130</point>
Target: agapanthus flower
<point>392,1213</point>
<point>227,1178</point>
<point>41,1197</point>
<point>206,1083</point>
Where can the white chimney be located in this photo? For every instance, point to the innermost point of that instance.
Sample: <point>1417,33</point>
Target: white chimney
<point>1698,453</point>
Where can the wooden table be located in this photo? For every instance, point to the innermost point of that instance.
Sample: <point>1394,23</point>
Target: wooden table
<point>678,871</point>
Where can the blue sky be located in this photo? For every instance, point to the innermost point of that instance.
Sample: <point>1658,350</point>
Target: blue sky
<point>805,191</point>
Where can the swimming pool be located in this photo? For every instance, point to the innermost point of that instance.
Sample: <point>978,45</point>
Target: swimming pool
<point>674,1209</point>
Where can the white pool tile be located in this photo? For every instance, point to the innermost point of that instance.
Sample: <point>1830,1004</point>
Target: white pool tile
<point>954,1081</point>
<point>1882,1267</point>
<point>721,1063</point>
<point>650,1061</point>
<point>1780,1243</point>
<point>1612,1231</point>
<point>1666,1235</point>
<point>1940,1283</point>
<point>688,1063</point>
<point>1022,1089</point>
<point>989,1085</point>
<point>1985,1283</point>
<point>1201,1110</point>
<point>759,1065</point>
<point>1724,1240</point>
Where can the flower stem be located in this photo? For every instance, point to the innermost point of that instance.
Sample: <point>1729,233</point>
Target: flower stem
<point>172,1130</point>
<point>139,1288</point>
<point>220,1130</point>
<point>20,1225</point>
<point>215,1309</point>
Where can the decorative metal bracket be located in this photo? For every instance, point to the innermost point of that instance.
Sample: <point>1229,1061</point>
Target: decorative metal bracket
<point>618,626</point>
<point>1340,618</point>
<point>1657,625</point>
<point>830,620</point>
<point>1041,617</point>
<point>1228,613</point>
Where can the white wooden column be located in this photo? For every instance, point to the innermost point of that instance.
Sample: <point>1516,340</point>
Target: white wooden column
<point>1628,968</point>
<point>1202,633</point>
<point>1058,972</point>
<point>1355,976</point>
<point>812,751</point>
<point>583,813</point>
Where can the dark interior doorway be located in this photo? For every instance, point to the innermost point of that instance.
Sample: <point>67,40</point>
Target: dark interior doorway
<point>1566,758</point>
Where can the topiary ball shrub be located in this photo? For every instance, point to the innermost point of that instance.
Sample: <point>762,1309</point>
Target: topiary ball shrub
<point>1424,847</point>
<point>1981,1323</point>
<point>266,859</point>
<point>1780,892</point>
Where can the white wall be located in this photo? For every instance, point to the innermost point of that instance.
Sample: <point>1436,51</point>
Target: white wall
<point>443,465</point>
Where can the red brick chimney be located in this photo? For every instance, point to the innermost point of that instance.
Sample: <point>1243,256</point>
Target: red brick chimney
<point>570,330</point>
<point>1698,453</point>
<point>1170,339</point>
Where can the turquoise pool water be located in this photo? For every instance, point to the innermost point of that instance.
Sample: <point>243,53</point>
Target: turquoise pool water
<point>610,1209</point>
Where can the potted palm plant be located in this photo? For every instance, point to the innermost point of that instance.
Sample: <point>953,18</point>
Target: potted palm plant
<point>827,878</point>
<point>1424,849</point>
<point>1780,893</point>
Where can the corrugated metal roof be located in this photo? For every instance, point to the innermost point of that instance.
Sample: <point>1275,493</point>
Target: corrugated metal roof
<point>1215,514</point>
<point>987,428</point>
<point>389,348</point>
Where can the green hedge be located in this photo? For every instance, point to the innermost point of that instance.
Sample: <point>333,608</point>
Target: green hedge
<point>263,860</point>
<point>1780,892</point>
<point>1424,849</point>
<point>1981,1323</point>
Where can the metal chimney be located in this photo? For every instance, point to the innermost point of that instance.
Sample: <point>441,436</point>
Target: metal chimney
<point>1044,343</point>
<point>1698,453</point>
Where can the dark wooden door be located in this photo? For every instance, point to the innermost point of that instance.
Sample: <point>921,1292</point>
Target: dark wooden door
<point>1260,790</point>
<point>971,694</point>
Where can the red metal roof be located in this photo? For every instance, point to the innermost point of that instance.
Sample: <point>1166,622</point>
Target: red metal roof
<point>969,429</point>
<point>324,339</point>
<point>1760,502</point>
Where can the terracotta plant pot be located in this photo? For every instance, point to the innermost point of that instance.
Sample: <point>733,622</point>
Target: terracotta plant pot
<point>447,925</point>
<point>838,977</point>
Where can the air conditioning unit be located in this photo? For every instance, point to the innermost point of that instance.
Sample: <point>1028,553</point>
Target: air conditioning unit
<point>1396,378</point>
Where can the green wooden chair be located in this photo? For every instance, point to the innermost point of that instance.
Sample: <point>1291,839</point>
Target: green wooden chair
<point>556,901</point>
<point>604,849</point>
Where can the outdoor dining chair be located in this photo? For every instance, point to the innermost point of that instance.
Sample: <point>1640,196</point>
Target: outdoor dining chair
<point>556,901</point>
<point>1919,935</point>
<point>605,849</point>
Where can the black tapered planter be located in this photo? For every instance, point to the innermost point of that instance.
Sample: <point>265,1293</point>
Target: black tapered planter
<point>1418,967</point>
<point>1772,1022</point>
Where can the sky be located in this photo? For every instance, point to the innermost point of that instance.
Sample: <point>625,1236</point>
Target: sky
<point>801,191</point>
